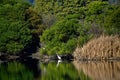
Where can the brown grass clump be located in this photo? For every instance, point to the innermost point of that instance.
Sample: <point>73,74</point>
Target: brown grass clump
<point>104,47</point>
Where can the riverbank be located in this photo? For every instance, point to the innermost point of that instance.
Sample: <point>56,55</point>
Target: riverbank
<point>102,48</point>
<point>37,56</point>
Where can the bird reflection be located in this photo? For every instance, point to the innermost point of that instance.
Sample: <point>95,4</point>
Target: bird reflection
<point>59,61</point>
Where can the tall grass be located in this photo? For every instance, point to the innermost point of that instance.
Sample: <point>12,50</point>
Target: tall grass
<point>104,47</point>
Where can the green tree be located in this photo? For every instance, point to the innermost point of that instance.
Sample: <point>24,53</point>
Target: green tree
<point>59,8</point>
<point>112,22</point>
<point>35,21</point>
<point>95,14</point>
<point>14,37</point>
<point>15,32</point>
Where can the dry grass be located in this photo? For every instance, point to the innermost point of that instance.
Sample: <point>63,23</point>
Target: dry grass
<point>99,70</point>
<point>104,47</point>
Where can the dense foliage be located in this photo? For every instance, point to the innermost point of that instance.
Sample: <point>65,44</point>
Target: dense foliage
<point>93,19</point>
<point>112,22</point>
<point>100,15</point>
<point>68,23</point>
<point>63,36</point>
<point>16,34</point>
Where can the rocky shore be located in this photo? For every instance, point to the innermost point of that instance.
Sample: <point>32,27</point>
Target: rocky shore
<point>41,58</point>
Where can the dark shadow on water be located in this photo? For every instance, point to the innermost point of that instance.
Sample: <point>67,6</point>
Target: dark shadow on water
<point>32,65</point>
<point>25,68</point>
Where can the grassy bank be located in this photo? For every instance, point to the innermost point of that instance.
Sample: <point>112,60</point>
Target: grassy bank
<point>104,47</point>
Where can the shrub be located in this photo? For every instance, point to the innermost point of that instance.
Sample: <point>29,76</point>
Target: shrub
<point>61,37</point>
<point>64,36</point>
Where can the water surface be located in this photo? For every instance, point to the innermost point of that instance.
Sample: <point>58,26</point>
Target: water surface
<point>32,69</point>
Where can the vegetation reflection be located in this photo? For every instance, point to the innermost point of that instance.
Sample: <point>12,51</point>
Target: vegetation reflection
<point>63,71</point>
<point>104,70</point>
<point>15,71</point>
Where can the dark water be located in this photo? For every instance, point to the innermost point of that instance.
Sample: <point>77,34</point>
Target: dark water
<point>32,69</point>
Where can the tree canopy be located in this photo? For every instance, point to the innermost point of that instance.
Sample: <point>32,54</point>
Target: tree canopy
<point>60,25</point>
<point>92,21</point>
<point>15,32</point>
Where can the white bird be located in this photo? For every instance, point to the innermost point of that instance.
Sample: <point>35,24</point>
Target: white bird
<point>59,58</point>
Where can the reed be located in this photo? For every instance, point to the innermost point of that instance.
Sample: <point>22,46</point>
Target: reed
<point>104,47</point>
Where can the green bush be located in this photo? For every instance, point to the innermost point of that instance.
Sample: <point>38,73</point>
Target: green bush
<point>61,37</point>
<point>83,39</point>
<point>64,36</point>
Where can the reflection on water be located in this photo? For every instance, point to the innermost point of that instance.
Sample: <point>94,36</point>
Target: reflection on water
<point>24,69</point>
<point>100,70</point>
<point>32,69</point>
<point>59,71</point>
<point>14,71</point>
